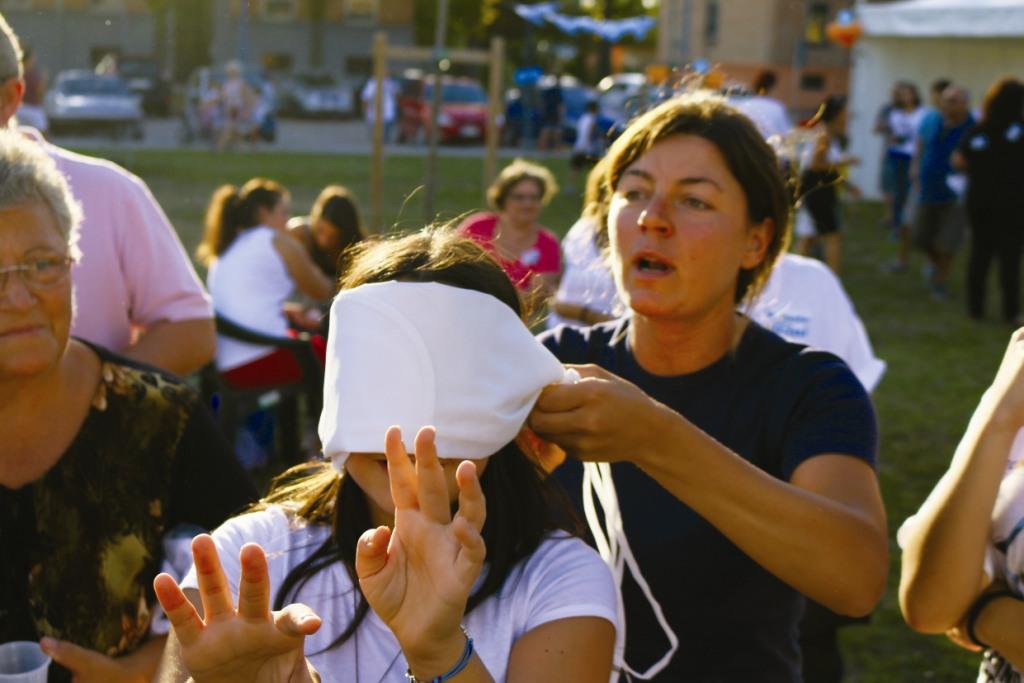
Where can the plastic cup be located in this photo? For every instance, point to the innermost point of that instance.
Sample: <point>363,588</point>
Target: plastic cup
<point>23,661</point>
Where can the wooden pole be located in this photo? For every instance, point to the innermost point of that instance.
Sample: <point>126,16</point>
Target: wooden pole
<point>430,192</point>
<point>494,100</point>
<point>380,73</point>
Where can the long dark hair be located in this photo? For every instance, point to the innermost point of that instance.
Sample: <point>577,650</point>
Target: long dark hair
<point>1003,104</point>
<point>233,209</point>
<point>523,505</point>
<point>337,206</point>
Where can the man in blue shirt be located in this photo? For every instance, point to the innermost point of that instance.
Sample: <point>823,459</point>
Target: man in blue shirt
<point>940,223</point>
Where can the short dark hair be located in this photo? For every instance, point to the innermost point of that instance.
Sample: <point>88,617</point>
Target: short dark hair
<point>939,85</point>
<point>764,82</point>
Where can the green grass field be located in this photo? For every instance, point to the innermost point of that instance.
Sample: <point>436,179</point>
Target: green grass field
<point>939,362</point>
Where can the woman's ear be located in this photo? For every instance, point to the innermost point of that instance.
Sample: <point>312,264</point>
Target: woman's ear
<point>759,237</point>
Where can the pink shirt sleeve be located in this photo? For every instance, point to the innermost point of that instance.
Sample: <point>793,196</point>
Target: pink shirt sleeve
<point>134,270</point>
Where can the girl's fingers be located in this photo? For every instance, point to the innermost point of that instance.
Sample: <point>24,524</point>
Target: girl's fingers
<point>372,552</point>
<point>297,621</point>
<point>472,505</point>
<point>472,552</point>
<point>400,470</point>
<point>432,489</point>
<point>213,585</point>
<point>180,612</point>
<point>254,588</point>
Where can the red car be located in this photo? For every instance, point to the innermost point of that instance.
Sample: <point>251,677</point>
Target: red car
<point>463,115</point>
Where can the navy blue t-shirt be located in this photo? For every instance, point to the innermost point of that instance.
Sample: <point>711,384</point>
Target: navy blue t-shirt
<point>775,404</point>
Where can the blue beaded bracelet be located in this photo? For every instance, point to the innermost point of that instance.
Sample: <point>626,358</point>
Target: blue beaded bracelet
<point>467,655</point>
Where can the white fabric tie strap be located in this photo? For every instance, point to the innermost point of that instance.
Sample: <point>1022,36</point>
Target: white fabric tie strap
<point>613,546</point>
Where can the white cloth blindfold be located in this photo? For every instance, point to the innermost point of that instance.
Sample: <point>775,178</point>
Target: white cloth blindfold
<point>416,354</point>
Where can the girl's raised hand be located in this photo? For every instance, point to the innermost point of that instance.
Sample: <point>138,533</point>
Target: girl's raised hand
<point>247,644</point>
<point>418,577</point>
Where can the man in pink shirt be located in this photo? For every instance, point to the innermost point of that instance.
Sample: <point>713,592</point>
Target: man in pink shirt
<point>135,290</point>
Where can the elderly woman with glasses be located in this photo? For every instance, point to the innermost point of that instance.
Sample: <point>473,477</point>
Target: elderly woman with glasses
<point>101,456</point>
<point>526,250</point>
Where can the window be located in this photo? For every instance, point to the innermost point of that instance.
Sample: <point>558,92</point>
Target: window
<point>711,23</point>
<point>15,5</point>
<point>106,5</point>
<point>361,10</point>
<point>278,10</point>
<point>817,20</point>
<point>812,82</point>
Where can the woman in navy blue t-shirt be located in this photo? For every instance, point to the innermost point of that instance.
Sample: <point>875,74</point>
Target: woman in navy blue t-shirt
<point>744,465</point>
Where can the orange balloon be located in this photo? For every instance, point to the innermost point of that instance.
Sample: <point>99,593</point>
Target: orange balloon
<point>844,34</point>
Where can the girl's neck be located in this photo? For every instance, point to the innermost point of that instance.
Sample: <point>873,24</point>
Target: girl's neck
<point>670,347</point>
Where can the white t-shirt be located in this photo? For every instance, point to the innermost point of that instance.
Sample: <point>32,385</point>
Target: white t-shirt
<point>563,578</point>
<point>586,280</point>
<point>387,104</point>
<point>804,302</point>
<point>249,284</point>
<point>585,133</point>
<point>903,127</point>
<point>1004,551</point>
<point>768,114</point>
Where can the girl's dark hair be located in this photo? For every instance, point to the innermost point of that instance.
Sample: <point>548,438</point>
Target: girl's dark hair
<point>337,206</point>
<point>234,209</point>
<point>523,504</point>
<point>830,108</point>
<point>1003,104</point>
<point>750,160</point>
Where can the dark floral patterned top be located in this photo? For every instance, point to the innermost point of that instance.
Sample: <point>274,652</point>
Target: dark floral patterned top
<point>81,545</point>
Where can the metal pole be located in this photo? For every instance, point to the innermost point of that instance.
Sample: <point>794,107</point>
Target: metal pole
<point>493,107</point>
<point>380,73</point>
<point>430,189</point>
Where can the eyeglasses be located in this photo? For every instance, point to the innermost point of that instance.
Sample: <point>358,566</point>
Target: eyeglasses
<point>524,197</point>
<point>40,272</point>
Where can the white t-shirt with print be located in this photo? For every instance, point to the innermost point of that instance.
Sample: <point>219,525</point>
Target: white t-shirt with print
<point>563,578</point>
<point>804,302</point>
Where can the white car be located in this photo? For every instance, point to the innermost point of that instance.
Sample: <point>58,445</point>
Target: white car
<point>615,92</point>
<point>82,100</point>
<point>316,95</point>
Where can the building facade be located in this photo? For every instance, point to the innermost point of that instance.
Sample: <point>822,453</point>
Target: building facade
<point>333,35</point>
<point>740,38</point>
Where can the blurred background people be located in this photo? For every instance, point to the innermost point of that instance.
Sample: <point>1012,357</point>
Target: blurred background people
<point>388,106</point>
<point>767,113</point>
<point>528,252</point>
<point>822,171</point>
<point>332,226</point>
<point>992,155</point>
<point>254,266</point>
<point>899,123</point>
<point>238,103</point>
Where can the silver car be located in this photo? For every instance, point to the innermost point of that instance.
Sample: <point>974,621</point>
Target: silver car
<point>82,100</point>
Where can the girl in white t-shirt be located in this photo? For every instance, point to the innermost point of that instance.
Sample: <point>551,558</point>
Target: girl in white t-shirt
<point>427,331</point>
<point>963,552</point>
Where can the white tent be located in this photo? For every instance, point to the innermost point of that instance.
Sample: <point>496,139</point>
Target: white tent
<point>972,42</point>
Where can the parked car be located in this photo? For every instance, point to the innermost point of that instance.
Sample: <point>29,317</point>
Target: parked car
<point>463,115</point>
<point>82,100</point>
<point>617,91</point>
<point>315,94</point>
<point>144,79</point>
<point>202,115</point>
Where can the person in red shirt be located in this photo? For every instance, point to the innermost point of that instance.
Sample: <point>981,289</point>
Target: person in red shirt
<point>527,251</point>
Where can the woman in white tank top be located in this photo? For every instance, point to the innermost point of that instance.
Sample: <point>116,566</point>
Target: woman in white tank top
<point>254,266</point>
